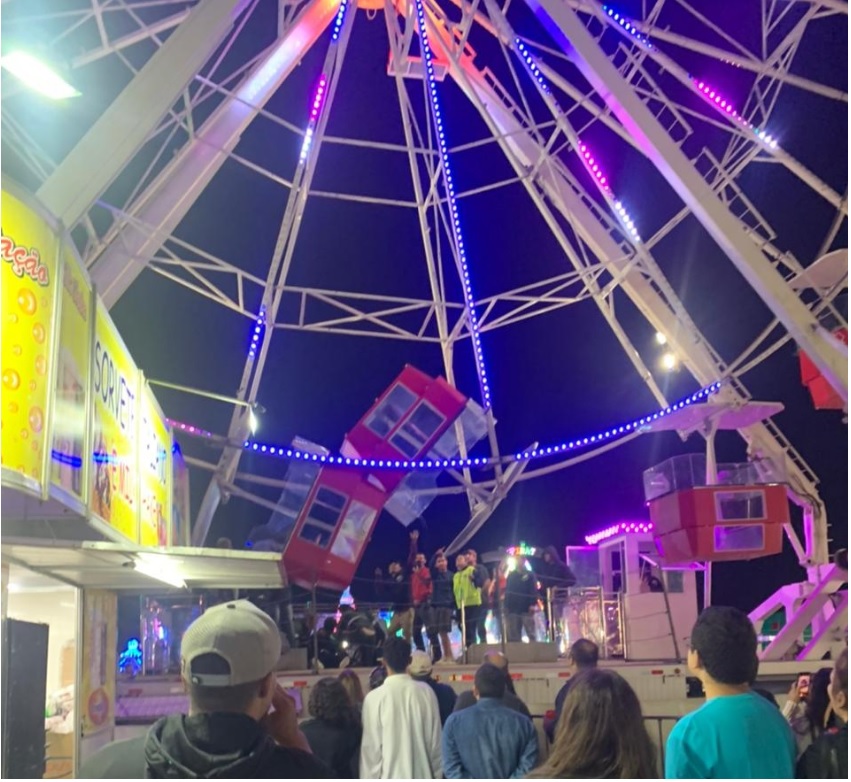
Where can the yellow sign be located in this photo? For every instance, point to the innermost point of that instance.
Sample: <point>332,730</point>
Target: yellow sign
<point>155,458</point>
<point>100,637</point>
<point>114,470</point>
<point>28,248</point>
<point>72,379</point>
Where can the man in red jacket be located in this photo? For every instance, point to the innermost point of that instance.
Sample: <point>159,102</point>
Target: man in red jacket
<point>421,590</point>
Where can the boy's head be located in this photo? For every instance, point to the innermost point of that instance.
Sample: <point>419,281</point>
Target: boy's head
<point>397,655</point>
<point>461,561</point>
<point>723,647</point>
<point>489,682</point>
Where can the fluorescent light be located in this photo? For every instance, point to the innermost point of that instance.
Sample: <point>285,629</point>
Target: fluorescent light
<point>252,421</point>
<point>37,75</point>
<point>159,571</point>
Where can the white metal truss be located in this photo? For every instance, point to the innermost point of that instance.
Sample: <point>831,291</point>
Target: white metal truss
<point>191,124</point>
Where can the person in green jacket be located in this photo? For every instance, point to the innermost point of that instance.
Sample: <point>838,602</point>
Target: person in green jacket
<point>468,597</point>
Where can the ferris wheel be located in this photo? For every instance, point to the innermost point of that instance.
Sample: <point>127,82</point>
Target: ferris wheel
<point>566,90</point>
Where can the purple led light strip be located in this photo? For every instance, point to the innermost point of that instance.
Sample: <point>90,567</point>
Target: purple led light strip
<point>614,433</point>
<point>188,428</point>
<point>591,163</point>
<point>621,528</point>
<point>714,97</point>
<point>315,108</point>
<point>709,93</point>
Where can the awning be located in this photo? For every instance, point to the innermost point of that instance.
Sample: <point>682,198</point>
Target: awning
<point>98,565</point>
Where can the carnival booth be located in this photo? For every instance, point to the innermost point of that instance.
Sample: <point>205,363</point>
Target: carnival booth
<point>95,504</point>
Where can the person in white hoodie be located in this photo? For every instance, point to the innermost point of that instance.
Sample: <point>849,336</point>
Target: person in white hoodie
<point>401,723</point>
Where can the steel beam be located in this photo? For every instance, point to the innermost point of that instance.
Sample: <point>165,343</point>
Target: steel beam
<point>572,36</point>
<point>283,253</point>
<point>169,197</point>
<point>646,287</point>
<point>113,141</point>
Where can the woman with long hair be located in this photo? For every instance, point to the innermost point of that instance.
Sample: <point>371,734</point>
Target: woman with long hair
<point>351,681</point>
<point>811,716</point>
<point>601,733</point>
<point>334,732</point>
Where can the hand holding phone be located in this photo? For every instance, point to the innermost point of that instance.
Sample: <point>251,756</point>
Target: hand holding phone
<point>803,686</point>
<point>282,722</point>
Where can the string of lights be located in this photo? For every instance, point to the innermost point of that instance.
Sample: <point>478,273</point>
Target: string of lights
<point>713,96</point>
<point>709,93</point>
<point>195,431</point>
<point>259,332</point>
<point>428,59</point>
<point>624,527</point>
<point>579,443</point>
<point>592,163</point>
<point>315,108</point>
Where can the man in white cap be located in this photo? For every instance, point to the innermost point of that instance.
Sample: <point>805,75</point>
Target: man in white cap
<point>420,670</point>
<point>228,658</point>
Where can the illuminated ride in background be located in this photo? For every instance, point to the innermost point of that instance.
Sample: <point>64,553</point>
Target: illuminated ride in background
<point>570,134</point>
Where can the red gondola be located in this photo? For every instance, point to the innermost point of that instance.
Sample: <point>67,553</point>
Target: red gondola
<point>326,514</point>
<point>404,423</point>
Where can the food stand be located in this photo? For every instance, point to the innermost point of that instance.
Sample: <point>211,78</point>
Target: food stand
<point>95,491</point>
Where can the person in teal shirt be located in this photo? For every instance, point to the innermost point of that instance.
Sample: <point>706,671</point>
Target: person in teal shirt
<point>736,734</point>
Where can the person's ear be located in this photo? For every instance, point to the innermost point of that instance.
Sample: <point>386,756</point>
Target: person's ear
<point>267,686</point>
<point>475,692</point>
<point>840,701</point>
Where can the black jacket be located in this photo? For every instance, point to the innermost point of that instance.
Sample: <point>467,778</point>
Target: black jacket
<point>521,592</point>
<point>395,589</point>
<point>446,697</point>
<point>442,595</point>
<point>554,574</point>
<point>827,758</point>
<point>204,746</point>
<point>338,746</point>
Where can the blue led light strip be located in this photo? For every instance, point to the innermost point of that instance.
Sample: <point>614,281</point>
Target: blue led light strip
<point>259,332</point>
<point>428,59</point>
<point>708,92</point>
<point>579,443</point>
<point>628,26</point>
<point>338,21</point>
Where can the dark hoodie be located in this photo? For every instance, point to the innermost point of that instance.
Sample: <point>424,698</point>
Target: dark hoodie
<point>203,746</point>
<point>554,574</point>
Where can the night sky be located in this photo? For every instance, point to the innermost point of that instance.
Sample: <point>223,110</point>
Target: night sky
<point>552,377</point>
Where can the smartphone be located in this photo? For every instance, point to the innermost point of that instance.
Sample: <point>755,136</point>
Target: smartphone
<point>803,685</point>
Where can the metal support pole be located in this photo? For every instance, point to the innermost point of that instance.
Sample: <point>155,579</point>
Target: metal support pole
<point>464,632</point>
<point>315,628</point>
<point>670,616</point>
<point>576,41</point>
<point>122,129</point>
<point>711,480</point>
<point>550,634</point>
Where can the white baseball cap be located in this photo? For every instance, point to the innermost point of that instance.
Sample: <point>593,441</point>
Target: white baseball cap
<point>241,635</point>
<point>421,664</point>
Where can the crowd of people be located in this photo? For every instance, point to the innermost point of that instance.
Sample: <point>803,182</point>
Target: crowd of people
<point>425,597</point>
<point>242,724</point>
